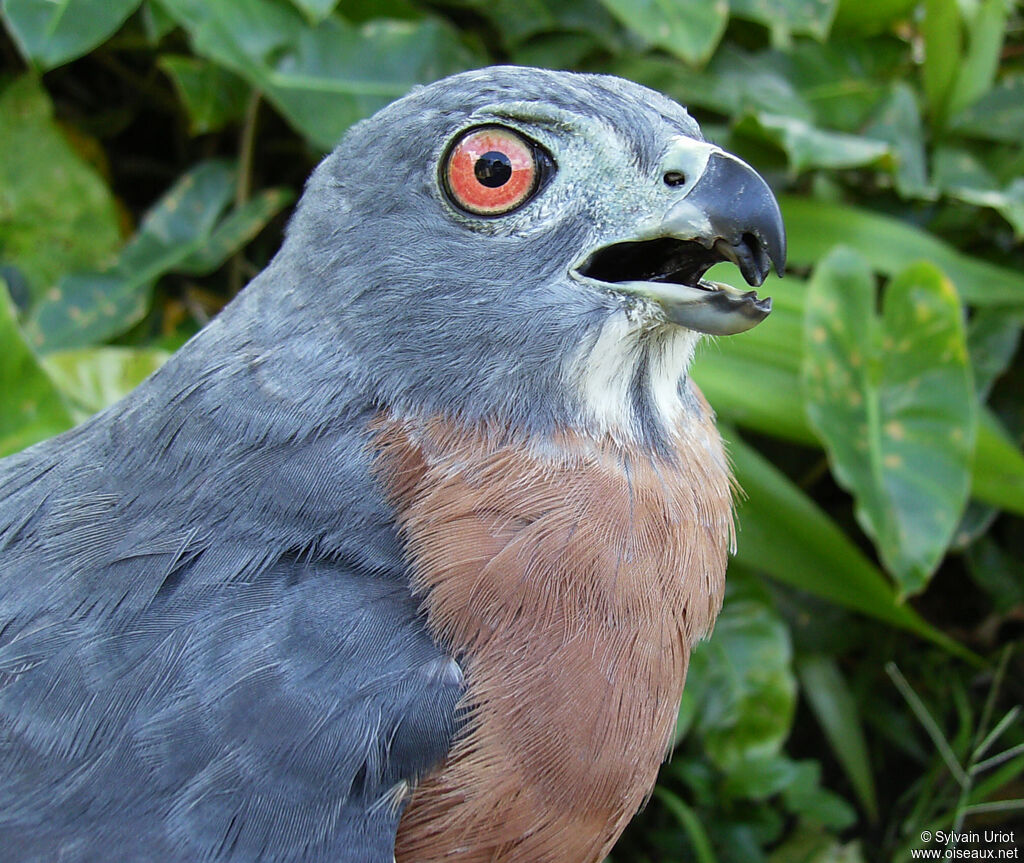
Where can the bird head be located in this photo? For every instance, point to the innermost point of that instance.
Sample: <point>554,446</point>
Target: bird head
<point>525,245</point>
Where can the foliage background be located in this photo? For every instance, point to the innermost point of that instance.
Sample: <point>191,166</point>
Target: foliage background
<point>862,684</point>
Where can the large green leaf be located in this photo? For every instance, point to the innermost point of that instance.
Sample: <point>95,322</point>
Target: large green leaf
<point>783,533</point>
<point>56,213</point>
<point>893,401</point>
<point>51,32</point>
<point>689,29</point>
<point>94,378</point>
<point>889,244</point>
<point>31,409</point>
<point>183,232</point>
<point>775,407</point>
<point>87,308</point>
<point>843,80</point>
<point>772,354</point>
<point>326,77</point>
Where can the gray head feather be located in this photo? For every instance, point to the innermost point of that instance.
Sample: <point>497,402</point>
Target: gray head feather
<point>384,288</point>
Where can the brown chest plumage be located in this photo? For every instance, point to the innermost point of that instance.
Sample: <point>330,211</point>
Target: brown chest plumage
<point>570,577</point>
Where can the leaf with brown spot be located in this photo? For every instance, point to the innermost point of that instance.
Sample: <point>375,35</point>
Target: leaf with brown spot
<point>891,397</point>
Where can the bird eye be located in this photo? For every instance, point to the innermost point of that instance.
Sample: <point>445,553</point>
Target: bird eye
<point>492,170</point>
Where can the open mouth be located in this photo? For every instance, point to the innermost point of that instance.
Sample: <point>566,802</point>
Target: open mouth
<point>671,271</point>
<point>681,262</point>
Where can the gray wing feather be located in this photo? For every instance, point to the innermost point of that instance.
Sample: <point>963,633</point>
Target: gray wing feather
<point>174,687</point>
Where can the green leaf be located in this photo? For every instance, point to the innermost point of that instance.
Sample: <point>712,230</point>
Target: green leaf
<point>235,231</point>
<point>31,409</point>
<point>960,174</point>
<point>783,533</point>
<point>998,466</point>
<point>942,47</point>
<point>555,50</point>
<point>898,122</point>
<point>835,708</point>
<point>813,844</point>
<point>734,82</point>
<point>51,32</point>
<point>94,378</point>
<point>321,78</point>
<point>844,81</point>
<point>998,115</point>
<point>87,308</point>
<point>786,17</point>
<point>992,339</point>
<point>689,29</point>
<point>759,778</point>
<point>978,70</point>
<point>893,402</point>
<point>156,23</point>
<point>998,573</point>
<point>517,20</point>
<point>815,227</point>
<point>212,95</point>
<point>805,796</point>
<point>774,406</point>
<point>810,147</point>
<point>316,10</point>
<point>690,822</point>
<point>56,213</point>
<point>358,11</point>
<point>743,684</point>
<point>868,17</point>
<point>772,354</point>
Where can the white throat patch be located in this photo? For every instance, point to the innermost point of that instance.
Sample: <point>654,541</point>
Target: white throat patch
<point>604,373</point>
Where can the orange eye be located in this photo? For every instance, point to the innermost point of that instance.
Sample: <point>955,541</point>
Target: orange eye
<point>492,170</point>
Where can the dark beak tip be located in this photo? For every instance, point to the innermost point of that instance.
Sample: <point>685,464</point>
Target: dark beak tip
<point>776,244</point>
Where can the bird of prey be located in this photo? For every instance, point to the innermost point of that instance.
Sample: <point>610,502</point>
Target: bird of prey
<point>404,554</point>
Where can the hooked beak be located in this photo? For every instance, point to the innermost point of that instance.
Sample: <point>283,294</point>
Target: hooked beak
<point>728,214</point>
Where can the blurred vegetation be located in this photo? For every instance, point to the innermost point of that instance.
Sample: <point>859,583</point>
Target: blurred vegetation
<point>867,689</point>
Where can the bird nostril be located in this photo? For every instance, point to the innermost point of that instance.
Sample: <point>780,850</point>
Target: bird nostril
<point>674,178</point>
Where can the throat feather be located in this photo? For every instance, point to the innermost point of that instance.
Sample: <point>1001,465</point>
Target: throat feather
<point>627,377</point>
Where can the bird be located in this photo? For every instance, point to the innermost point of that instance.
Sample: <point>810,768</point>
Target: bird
<point>402,556</point>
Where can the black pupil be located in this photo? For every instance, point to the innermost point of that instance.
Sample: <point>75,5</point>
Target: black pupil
<point>493,169</point>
